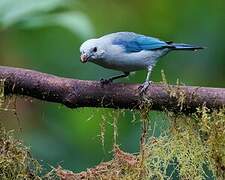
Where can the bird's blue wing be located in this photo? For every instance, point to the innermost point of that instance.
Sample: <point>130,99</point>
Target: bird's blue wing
<point>135,43</point>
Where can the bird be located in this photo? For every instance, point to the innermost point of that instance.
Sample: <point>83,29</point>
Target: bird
<point>128,52</point>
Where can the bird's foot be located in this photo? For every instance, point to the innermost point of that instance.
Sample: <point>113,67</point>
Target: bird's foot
<point>105,81</point>
<point>144,86</point>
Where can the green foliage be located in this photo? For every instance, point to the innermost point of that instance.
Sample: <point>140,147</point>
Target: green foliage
<point>36,14</point>
<point>13,11</point>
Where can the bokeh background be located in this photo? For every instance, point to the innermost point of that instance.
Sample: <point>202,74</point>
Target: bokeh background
<point>45,35</point>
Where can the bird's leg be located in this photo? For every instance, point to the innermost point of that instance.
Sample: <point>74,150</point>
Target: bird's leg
<point>106,81</point>
<point>146,84</point>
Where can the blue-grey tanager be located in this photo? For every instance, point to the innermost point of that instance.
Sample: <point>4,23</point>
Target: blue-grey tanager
<point>128,52</point>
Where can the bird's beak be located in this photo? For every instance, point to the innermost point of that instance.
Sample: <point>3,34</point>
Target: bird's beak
<point>84,58</point>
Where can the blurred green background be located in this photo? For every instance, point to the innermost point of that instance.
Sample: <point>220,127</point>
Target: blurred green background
<point>45,35</point>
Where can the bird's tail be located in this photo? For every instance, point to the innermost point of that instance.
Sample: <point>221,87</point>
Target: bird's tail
<point>179,46</point>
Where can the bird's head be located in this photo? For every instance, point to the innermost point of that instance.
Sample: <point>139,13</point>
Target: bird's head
<point>91,50</point>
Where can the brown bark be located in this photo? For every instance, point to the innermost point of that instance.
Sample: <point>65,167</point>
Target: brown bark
<point>78,93</point>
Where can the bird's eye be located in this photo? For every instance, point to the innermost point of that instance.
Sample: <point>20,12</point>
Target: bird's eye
<point>95,49</point>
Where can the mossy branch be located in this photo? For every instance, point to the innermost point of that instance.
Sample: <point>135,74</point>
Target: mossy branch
<point>79,93</point>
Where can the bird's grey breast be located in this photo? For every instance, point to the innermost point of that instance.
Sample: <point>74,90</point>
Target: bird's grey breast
<point>116,58</point>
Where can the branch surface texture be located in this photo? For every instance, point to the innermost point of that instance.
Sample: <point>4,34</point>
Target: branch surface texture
<point>79,93</point>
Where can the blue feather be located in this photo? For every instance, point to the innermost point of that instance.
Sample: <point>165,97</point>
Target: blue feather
<point>135,43</point>
<point>180,46</point>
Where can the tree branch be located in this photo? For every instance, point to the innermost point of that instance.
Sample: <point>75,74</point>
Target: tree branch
<point>78,93</point>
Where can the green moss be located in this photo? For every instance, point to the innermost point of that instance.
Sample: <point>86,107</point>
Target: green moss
<point>15,159</point>
<point>179,149</point>
<point>175,92</point>
<point>212,129</point>
<point>193,147</point>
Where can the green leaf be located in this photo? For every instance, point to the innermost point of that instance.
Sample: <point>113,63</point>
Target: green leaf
<point>39,13</point>
<point>13,11</point>
<point>76,22</point>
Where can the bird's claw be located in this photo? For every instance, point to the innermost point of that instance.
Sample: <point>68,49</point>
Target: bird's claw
<point>144,86</point>
<point>105,81</point>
